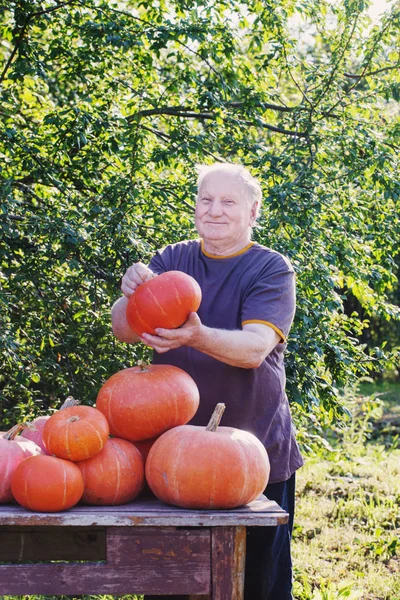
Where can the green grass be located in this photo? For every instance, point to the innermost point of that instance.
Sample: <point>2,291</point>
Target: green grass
<point>347,529</point>
<point>346,542</point>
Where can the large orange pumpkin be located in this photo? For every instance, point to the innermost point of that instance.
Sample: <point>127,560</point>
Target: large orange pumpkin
<point>164,301</point>
<point>206,467</point>
<point>13,450</point>
<point>47,484</point>
<point>76,433</point>
<point>143,402</point>
<point>114,476</point>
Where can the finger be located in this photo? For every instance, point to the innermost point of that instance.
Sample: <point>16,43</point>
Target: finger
<point>126,290</point>
<point>157,347</point>
<point>168,334</point>
<point>162,350</point>
<point>154,340</point>
<point>128,286</point>
<point>143,272</point>
<point>133,275</point>
<point>193,319</point>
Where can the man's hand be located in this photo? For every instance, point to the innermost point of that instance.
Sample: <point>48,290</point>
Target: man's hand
<point>168,339</point>
<point>135,276</point>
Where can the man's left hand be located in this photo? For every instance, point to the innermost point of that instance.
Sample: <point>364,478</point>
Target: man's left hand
<point>168,339</point>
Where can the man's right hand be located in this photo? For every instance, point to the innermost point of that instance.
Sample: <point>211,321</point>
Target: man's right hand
<point>135,276</point>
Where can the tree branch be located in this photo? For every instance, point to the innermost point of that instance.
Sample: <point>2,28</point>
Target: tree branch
<point>49,10</point>
<point>354,76</point>
<point>14,51</point>
<point>180,111</point>
<point>267,106</point>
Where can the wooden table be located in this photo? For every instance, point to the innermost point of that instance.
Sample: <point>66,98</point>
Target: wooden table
<point>138,548</point>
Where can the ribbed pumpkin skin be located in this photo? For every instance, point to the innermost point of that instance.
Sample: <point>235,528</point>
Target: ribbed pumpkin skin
<point>47,484</point>
<point>141,403</point>
<point>165,301</point>
<point>114,476</point>
<point>76,433</point>
<point>35,432</point>
<point>194,468</point>
<point>12,453</point>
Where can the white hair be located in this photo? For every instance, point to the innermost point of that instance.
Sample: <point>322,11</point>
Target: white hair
<point>251,184</point>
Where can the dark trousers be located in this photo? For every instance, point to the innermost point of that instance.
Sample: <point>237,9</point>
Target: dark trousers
<point>268,558</point>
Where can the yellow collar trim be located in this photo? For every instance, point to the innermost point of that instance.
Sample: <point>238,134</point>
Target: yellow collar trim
<point>242,251</point>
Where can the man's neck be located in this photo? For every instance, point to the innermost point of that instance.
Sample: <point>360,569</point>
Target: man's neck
<point>220,248</point>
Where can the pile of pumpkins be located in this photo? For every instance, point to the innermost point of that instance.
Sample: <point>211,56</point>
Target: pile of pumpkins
<point>136,436</point>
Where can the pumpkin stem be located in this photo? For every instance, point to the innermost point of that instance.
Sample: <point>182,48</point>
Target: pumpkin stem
<point>142,366</point>
<point>69,401</point>
<point>13,432</point>
<point>216,417</point>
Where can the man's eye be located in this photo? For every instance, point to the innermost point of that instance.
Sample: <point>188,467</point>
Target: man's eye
<point>206,200</point>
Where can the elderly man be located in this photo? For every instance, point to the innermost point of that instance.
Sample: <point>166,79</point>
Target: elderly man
<point>233,346</point>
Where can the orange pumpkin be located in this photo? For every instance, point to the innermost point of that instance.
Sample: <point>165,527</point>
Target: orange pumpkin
<point>76,433</point>
<point>206,467</point>
<point>47,484</point>
<point>13,450</point>
<point>114,476</point>
<point>164,301</point>
<point>143,402</point>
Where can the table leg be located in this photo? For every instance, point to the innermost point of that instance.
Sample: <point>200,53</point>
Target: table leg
<point>228,556</point>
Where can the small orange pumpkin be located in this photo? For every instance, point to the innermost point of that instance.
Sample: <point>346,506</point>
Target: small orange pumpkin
<point>76,433</point>
<point>206,467</point>
<point>143,402</point>
<point>164,301</point>
<point>114,476</point>
<point>47,484</point>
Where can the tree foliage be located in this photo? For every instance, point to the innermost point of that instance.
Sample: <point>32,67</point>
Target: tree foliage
<point>107,107</point>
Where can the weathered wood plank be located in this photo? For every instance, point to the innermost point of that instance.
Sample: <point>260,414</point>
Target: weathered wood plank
<point>135,545</point>
<point>21,544</point>
<point>146,577</point>
<point>149,512</point>
<point>228,556</point>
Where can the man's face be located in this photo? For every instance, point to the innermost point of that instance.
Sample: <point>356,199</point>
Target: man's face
<point>223,210</point>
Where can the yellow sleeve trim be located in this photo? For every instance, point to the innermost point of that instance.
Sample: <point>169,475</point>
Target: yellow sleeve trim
<point>274,327</point>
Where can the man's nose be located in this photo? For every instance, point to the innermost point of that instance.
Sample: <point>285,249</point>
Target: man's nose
<point>215,208</point>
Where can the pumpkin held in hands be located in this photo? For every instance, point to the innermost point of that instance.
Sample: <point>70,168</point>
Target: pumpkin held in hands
<point>47,484</point>
<point>114,476</point>
<point>142,402</point>
<point>164,301</point>
<point>205,467</point>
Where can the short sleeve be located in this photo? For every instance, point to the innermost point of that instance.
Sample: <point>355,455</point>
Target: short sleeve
<point>161,261</point>
<point>271,298</point>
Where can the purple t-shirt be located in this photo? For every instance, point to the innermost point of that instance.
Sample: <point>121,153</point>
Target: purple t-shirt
<point>255,285</point>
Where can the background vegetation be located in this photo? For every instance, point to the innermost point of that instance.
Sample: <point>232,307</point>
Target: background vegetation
<point>106,107</point>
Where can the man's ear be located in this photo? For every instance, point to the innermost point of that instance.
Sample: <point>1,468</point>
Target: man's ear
<point>253,212</point>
